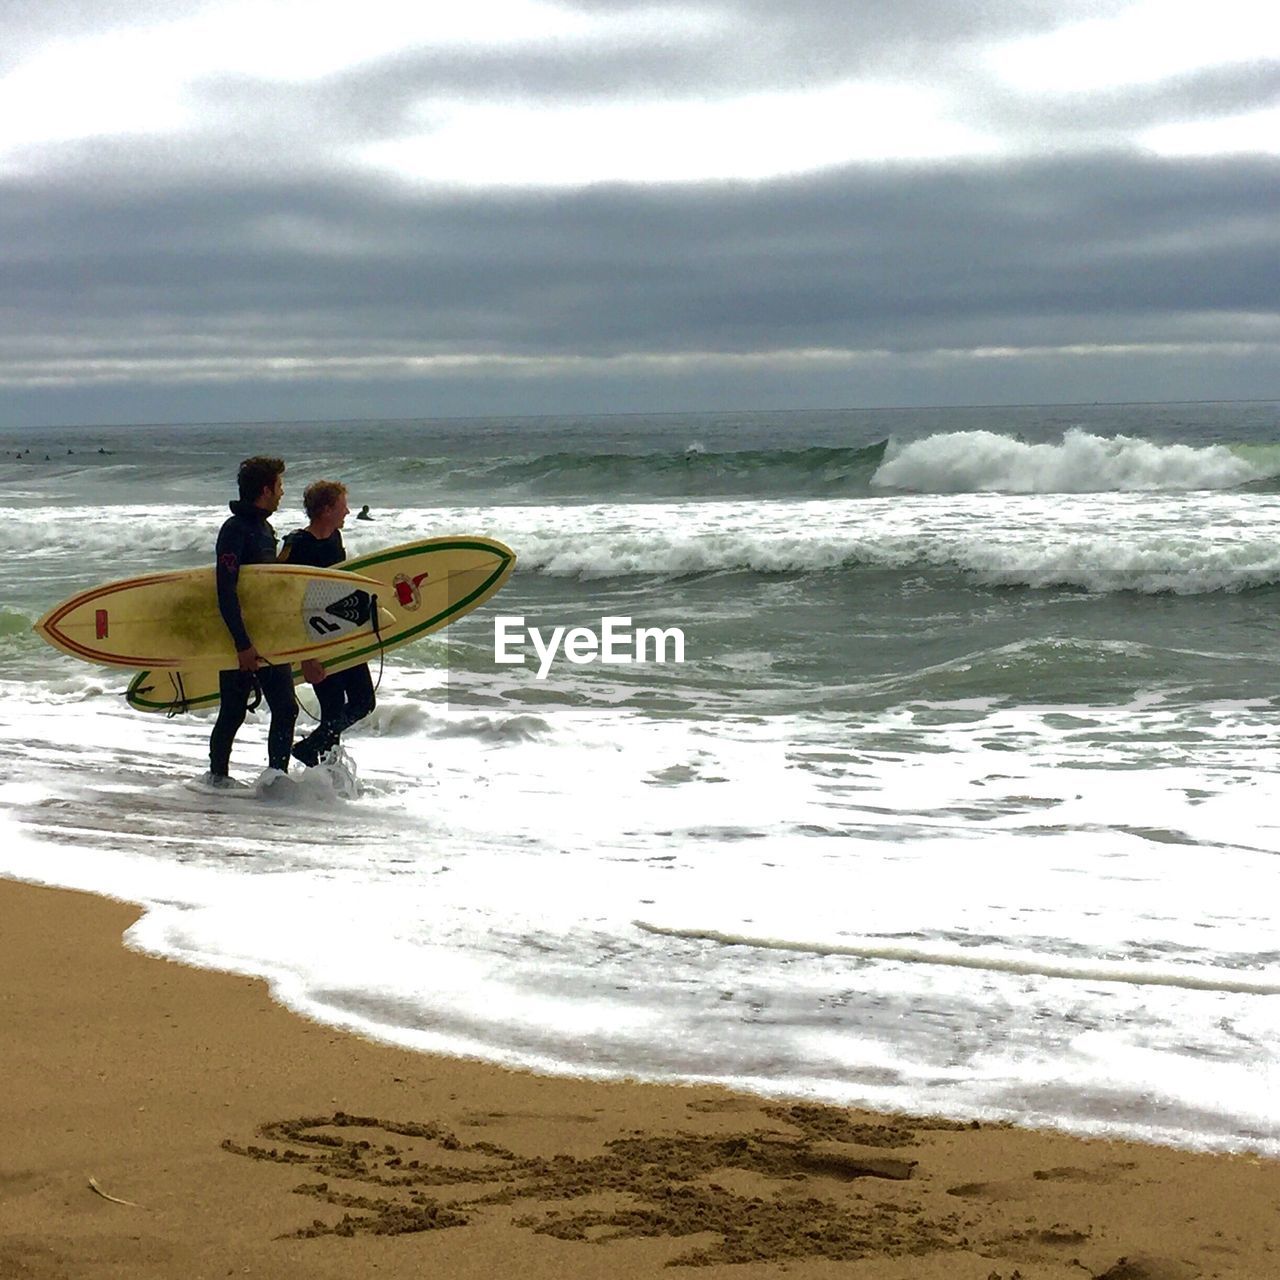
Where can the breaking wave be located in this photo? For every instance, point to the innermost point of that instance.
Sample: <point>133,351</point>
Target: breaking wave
<point>985,462</point>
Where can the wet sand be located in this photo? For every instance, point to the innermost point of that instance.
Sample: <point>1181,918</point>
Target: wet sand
<point>253,1142</point>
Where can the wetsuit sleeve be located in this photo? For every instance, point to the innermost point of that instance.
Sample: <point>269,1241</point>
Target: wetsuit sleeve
<point>229,554</point>
<point>286,551</point>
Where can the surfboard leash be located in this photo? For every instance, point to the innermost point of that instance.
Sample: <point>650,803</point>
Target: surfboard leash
<point>302,706</point>
<point>255,698</point>
<point>382,652</point>
<point>180,703</point>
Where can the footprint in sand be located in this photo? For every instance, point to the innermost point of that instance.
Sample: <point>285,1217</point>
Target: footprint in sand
<point>1070,1173</point>
<point>987,1191</point>
<point>1145,1266</point>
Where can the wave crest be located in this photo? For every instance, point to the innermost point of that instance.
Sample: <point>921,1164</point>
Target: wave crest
<point>985,462</point>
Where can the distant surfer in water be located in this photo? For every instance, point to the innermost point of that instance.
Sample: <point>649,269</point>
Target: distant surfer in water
<point>364,513</point>
<point>344,696</point>
<point>248,538</point>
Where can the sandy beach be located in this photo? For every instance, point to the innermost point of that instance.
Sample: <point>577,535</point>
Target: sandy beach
<point>162,1121</point>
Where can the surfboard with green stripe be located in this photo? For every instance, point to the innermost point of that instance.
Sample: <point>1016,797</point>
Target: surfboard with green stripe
<point>425,585</point>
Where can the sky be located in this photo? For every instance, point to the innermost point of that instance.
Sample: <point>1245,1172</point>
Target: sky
<point>295,209</point>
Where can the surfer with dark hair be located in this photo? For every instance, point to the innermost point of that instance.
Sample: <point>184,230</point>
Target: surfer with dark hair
<point>247,537</point>
<point>344,696</point>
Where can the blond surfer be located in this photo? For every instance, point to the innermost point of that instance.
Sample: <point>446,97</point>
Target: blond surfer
<point>344,696</point>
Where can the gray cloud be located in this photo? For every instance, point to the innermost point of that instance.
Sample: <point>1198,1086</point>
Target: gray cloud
<point>136,266</point>
<point>754,45</point>
<point>1094,120</point>
<point>899,259</point>
<point>764,47</point>
<point>28,26</point>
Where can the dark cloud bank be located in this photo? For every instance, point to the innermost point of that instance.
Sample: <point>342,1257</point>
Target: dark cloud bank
<point>152,278</point>
<point>897,262</point>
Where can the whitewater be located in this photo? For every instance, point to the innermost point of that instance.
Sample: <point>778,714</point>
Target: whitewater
<point>962,801</point>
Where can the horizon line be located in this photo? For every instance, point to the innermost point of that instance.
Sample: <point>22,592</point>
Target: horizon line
<point>639,413</point>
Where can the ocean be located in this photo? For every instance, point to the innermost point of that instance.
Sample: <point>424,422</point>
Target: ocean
<point>965,798</point>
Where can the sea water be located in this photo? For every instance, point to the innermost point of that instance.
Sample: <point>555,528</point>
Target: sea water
<point>965,798</point>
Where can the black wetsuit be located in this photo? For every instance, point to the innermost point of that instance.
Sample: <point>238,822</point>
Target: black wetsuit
<point>247,538</point>
<point>344,696</point>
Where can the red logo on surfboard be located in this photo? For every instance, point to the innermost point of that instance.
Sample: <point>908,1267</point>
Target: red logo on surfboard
<point>407,592</point>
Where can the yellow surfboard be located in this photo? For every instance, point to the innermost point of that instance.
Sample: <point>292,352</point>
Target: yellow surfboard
<point>170,621</point>
<point>423,585</point>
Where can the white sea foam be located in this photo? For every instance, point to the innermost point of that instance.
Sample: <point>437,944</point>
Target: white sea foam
<point>480,897</point>
<point>1181,543</point>
<point>1185,544</point>
<point>172,535</point>
<point>1198,979</point>
<point>984,462</point>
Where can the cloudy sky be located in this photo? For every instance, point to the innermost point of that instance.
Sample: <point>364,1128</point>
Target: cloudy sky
<point>312,208</point>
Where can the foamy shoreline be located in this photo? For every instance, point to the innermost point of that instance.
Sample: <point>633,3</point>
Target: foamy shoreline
<point>135,1071</point>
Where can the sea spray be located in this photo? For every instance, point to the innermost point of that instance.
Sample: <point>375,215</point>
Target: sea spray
<point>985,462</point>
